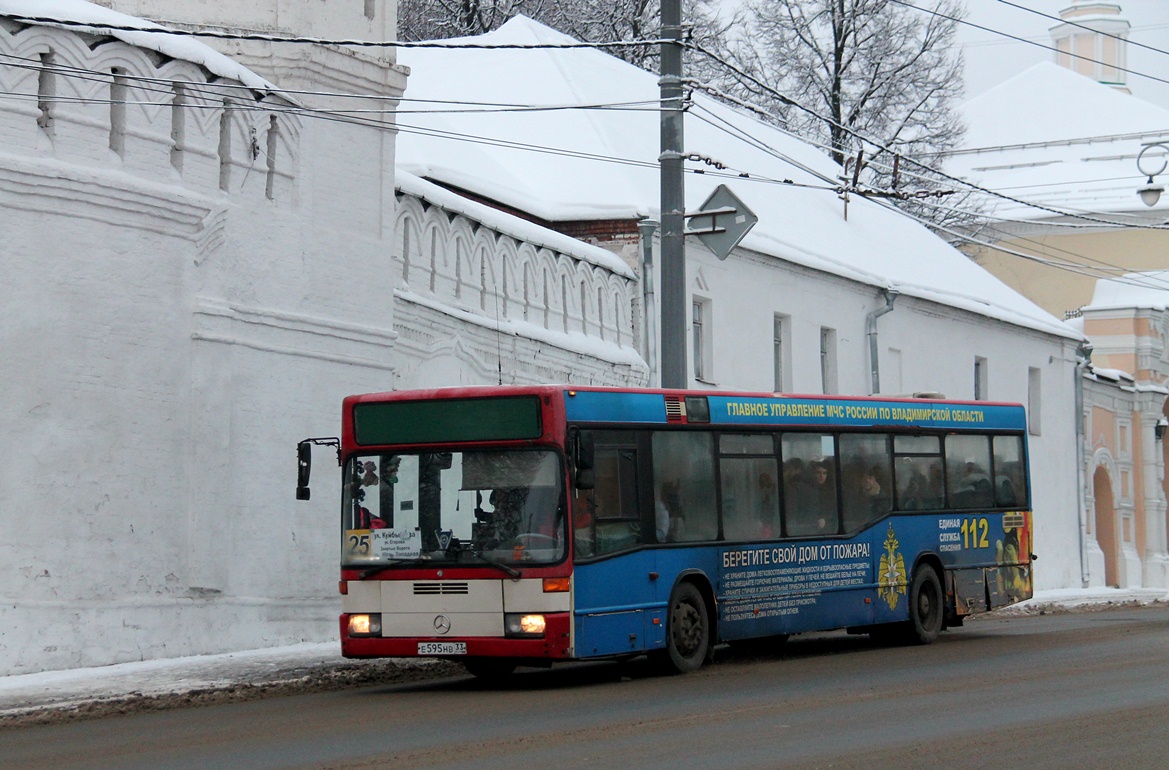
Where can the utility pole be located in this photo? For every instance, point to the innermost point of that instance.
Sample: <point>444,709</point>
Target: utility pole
<point>673,202</point>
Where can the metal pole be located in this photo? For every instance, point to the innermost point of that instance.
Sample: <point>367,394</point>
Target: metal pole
<point>673,254</point>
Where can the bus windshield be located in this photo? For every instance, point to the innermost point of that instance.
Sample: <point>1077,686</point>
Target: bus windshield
<point>473,507</point>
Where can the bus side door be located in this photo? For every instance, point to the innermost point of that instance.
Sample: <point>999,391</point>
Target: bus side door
<point>615,591</point>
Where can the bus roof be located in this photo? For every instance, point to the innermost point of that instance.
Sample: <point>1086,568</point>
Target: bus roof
<point>590,404</point>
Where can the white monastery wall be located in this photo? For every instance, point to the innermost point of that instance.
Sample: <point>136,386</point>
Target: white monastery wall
<point>188,296</point>
<point>175,320</point>
<point>480,302</point>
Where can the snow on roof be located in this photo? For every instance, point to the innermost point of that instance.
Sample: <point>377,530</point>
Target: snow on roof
<point>602,163</point>
<point>1146,290</point>
<point>1054,137</point>
<point>174,46</point>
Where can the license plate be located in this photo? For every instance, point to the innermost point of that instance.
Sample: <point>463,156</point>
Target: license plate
<point>442,648</point>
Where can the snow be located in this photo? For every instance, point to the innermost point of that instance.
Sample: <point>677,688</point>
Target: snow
<point>1133,290</point>
<point>175,46</point>
<point>28,693</point>
<point>508,224</point>
<point>592,164</point>
<point>1057,138</point>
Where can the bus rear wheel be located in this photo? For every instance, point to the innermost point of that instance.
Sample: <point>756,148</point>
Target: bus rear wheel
<point>926,607</point>
<point>687,630</point>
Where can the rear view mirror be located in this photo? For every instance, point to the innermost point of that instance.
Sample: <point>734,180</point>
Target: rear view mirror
<point>585,459</point>
<point>304,464</point>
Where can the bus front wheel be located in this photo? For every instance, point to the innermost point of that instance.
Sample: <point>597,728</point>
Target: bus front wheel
<point>926,607</point>
<point>687,630</point>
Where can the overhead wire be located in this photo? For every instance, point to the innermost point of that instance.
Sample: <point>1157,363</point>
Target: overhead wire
<point>336,114</point>
<point>960,20</point>
<point>783,98</point>
<point>1072,23</point>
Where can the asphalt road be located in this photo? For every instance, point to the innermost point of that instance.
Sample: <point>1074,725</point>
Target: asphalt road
<point>1087,690</point>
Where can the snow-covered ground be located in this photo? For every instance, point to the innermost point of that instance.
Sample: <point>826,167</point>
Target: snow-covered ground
<point>160,683</point>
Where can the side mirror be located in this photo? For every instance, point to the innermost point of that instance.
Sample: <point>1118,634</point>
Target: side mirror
<point>304,464</point>
<point>585,460</point>
<point>585,449</point>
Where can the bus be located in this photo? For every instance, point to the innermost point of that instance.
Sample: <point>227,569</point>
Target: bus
<point>513,525</point>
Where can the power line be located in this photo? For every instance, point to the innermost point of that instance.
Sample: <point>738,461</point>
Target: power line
<point>959,20</point>
<point>784,99</point>
<point>253,36</point>
<point>1084,26</point>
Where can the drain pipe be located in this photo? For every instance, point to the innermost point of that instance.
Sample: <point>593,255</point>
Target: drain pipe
<point>1083,360</point>
<point>871,332</point>
<point>649,337</point>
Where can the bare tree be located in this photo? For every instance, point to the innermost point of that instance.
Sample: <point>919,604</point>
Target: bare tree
<point>590,21</point>
<point>442,19</point>
<point>856,70</point>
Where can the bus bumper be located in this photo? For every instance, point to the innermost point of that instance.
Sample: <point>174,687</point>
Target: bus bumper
<point>555,644</point>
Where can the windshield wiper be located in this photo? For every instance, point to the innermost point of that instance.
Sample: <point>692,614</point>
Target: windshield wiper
<point>511,571</point>
<point>456,548</point>
<point>390,565</point>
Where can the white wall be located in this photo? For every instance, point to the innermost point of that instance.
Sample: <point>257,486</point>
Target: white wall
<point>166,342</point>
<point>937,345</point>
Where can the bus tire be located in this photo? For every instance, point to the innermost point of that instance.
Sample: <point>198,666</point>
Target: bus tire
<point>926,607</point>
<point>687,629</point>
<point>489,668</point>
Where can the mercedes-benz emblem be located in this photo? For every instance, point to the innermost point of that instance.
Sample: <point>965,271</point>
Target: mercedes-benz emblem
<point>442,624</point>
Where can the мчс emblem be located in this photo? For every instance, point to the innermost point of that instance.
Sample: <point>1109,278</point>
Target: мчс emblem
<point>891,576</point>
<point>442,624</point>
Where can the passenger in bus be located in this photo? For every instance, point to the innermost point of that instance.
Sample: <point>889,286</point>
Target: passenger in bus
<point>1004,485</point>
<point>668,520</point>
<point>867,497</point>
<point>507,513</point>
<point>915,492</point>
<point>767,490</point>
<point>804,498</point>
<point>973,488</point>
<point>824,496</point>
<point>582,523</point>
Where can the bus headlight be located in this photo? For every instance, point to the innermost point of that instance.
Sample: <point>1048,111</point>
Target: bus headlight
<point>517,624</point>
<point>365,625</point>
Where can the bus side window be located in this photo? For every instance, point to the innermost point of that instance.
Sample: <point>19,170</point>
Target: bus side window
<point>968,467</point>
<point>809,484</point>
<point>866,478</point>
<point>1010,486</point>
<point>750,491</point>
<point>684,488</point>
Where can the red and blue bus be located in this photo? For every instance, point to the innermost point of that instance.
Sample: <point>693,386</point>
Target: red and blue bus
<point>505,526</point>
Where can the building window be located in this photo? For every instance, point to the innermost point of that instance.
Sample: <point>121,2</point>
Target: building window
<point>827,360</point>
<point>781,349</point>
<point>980,379</point>
<point>1034,401</point>
<point>700,339</point>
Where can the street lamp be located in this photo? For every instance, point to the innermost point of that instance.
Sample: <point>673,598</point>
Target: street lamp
<point>1151,192</point>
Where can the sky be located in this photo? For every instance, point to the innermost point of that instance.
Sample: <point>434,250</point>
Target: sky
<point>992,58</point>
